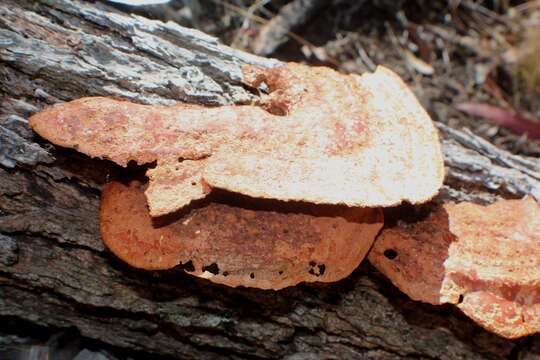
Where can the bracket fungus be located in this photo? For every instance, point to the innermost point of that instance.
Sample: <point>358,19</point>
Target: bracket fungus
<point>317,136</point>
<point>254,244</point>
<point>484,259</point>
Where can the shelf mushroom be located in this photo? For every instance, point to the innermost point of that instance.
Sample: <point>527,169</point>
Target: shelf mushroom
<point>483,259</point>
<point>268,244</point>
<point>316,136</point>
<point>329,147</point>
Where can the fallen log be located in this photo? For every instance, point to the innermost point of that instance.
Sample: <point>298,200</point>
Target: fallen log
<point>56,274</point>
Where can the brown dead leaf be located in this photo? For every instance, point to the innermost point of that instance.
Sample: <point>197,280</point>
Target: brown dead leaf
<point>319,136</point>
<point>484,259</point>
<point>256,243</point>
<point>503,117</point>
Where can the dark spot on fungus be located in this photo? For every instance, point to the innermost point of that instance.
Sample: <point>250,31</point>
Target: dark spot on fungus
<point>252,275</point>
<point>317,270</point>
<point>212,268</point>
<point>188,267</point>
<point>280,272</point>
<point>460,300</point>
<point>390,254</point>
<point>225,273</point>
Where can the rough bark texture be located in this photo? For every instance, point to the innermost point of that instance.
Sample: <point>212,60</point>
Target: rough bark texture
<point>55,272</point>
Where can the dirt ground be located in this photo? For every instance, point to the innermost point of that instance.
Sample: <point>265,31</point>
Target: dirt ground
<point>450,52</point>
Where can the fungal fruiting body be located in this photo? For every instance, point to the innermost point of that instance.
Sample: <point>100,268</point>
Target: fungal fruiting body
<point>484,259</point>
<point>317,136</point>
<point>265,244</point>
<point>316,142</point>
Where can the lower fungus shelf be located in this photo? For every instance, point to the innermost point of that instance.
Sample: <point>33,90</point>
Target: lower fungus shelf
<point>240,244</point>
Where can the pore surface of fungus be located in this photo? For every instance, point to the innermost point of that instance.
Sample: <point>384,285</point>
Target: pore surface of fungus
<point>317,136</point>
<point>484,259</point>
<point>256,243</point>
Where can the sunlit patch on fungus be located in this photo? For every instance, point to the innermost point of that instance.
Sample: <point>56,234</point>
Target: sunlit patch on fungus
<point>317,136</point>
<point>484,259</point>
<point>242,243</point>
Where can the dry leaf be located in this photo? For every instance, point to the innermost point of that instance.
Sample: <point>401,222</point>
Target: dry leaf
<point>503,117</point>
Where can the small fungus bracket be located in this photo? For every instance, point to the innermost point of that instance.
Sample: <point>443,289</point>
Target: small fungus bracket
<point>483,259</point>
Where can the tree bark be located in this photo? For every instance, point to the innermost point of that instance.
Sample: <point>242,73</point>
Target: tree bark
<point>56,273</point>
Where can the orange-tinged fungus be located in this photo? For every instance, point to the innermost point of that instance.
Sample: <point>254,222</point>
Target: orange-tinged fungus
<point>484,259</point>
<point>317,136</point>
<point>266,244</point>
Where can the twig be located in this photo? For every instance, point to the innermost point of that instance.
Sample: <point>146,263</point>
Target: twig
<point>365,57</point>
<point>527,6</point>
<point>263,21</point>
<point>275,32</point>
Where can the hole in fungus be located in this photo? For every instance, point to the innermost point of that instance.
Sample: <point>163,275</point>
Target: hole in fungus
<point>225,273</point>
<point>460,300</point>
<point>280,272</point>
<point>390,254</point>
<point>252,275</point>
<point>212,268</point>
<point>193,183</point>
<point>316,270</point>
<point>188,267</point>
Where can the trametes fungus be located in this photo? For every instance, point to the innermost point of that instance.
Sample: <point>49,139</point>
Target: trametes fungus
<point>484,259</point>
<point>317,136</point>
<point>266,244</point>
